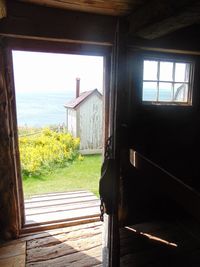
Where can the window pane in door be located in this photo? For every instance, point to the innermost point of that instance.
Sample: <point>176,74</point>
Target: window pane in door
<point>181,92</point>
<point>182,72</point>
<point>149,91</point>
<point>165,92</point>
<point>166,71</point>
<point>150,70</point>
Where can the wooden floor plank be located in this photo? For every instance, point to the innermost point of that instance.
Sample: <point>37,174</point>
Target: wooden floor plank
<point>77,246</point>
<point>90,257</point>
<point>62,237</point>
<point>60,207</point>
<point>57,197</point>
<point>60,201</point>
<point>67,247</point>
<point>60,193</point>
<point>63,207</point>
<point>17,261</point>
<point>55,232</point>
<point>56,216</point>
<point>13,255</point>
<point>38,227</point>
<point>12,250</point>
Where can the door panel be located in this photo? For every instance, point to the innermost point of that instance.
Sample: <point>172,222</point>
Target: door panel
<point>110,179</point>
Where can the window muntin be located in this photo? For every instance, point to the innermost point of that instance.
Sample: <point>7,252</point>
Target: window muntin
<point>167,81</point>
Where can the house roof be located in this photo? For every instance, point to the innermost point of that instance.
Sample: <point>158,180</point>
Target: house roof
<point>79,100</point>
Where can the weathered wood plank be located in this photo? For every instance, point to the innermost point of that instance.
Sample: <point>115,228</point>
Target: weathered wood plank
<point>12,250</point>
<point>74,247</point>
<point>38,227</point>
<point>60,201</point>
<point>57,197</point>
<point>89,127</point>
<point>67,247</point>
<point>13,254</point>
<point>62,237</point>
<point>63,207</point>
<point>71,246</point>
<point>89,257</point>
<point>9,186</point>
<point>111,7</point>
<point>17,261</point>
<point>59,193</point>
<point>61,230</point>
<point>150,227</point>
<point>56,216</point>
<point>172,235</point>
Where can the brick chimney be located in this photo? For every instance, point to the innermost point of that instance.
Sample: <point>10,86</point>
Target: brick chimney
<point>77,87</point>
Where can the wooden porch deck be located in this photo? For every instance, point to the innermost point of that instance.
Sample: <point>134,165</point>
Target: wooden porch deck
<point>59,207</point>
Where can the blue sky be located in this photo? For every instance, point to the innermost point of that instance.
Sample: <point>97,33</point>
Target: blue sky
<point>49,72</point>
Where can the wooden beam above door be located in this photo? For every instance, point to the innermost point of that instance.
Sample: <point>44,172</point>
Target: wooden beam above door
<point>105,7</point>
<point>40,22</point>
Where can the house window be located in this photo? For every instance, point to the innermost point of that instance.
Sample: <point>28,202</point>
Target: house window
<point>167,82</point>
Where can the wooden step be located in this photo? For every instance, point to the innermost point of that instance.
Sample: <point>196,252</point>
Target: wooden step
<point>55,208</point>
<point>59,193</point>
<point>57,197</point>
<point>60,201</point>
<point>58,216</point>
<point>62,207</point>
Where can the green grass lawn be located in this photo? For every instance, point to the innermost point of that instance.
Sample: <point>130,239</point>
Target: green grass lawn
<point>79,175</point>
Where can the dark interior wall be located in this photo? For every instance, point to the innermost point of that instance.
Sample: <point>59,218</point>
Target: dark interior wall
<point>168,135</point>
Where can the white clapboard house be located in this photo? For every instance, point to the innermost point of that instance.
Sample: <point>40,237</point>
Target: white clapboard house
<point>84,119</point>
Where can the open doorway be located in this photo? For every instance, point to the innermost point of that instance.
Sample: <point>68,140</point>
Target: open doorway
<point>59,99</point>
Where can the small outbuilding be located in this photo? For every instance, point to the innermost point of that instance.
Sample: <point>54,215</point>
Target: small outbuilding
<point>84,119</point>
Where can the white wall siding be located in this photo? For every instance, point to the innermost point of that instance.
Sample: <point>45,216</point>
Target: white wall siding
<point>71,121</point>
<point>90,123</point>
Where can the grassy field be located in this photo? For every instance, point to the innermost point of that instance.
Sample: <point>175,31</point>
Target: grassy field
<point>79,175</point>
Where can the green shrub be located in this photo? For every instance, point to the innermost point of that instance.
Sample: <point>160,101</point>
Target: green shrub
<point>45,150</point>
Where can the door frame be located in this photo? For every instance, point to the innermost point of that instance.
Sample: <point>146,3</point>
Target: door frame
<point>50,46</point>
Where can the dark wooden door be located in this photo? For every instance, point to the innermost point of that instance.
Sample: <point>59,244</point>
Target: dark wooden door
<point>110,179</point>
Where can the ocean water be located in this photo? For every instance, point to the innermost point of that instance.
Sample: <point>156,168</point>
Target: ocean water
<point>150,95</point>
<point>36,109</point>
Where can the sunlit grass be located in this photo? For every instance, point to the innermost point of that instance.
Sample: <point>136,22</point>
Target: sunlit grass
<point>79,175</point>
